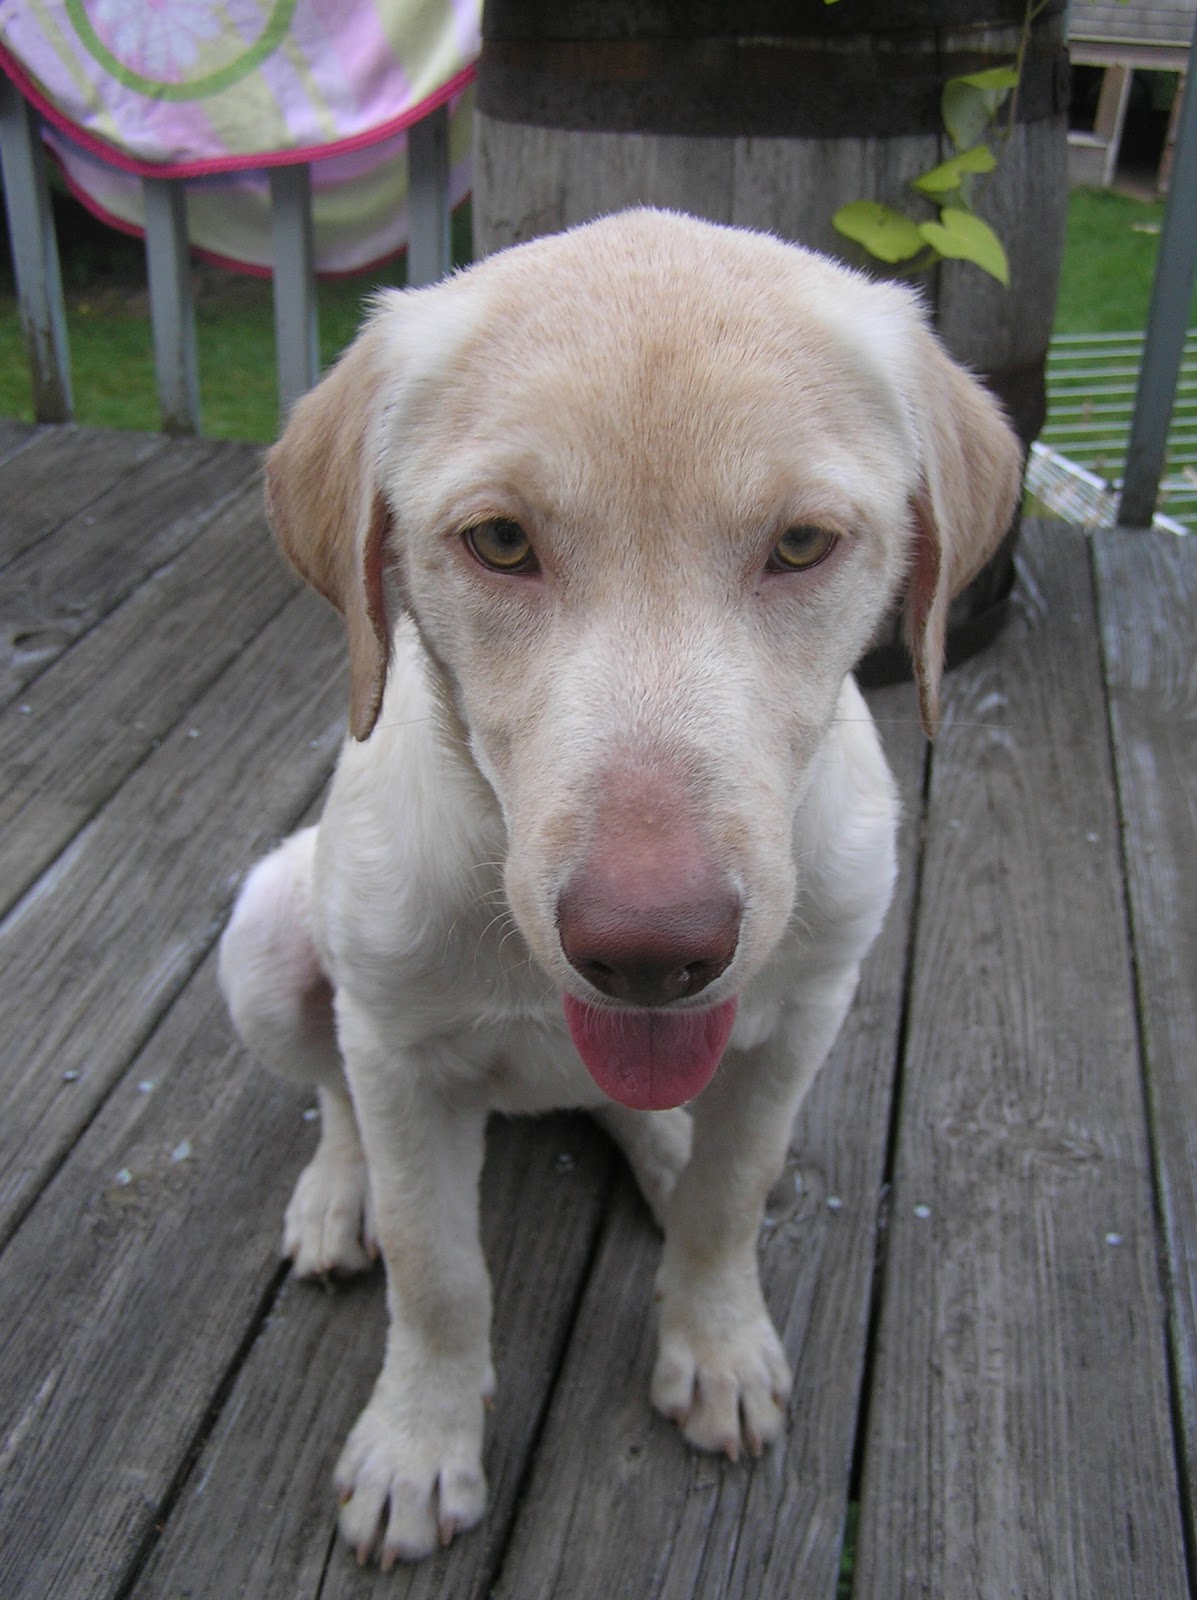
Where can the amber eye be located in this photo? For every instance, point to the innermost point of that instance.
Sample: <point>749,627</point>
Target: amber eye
<point>501,545</point>
<point>801,548</point>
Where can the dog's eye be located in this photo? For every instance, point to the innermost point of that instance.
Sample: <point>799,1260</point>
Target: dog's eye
<point>501,545</point>
<point>802,547</point>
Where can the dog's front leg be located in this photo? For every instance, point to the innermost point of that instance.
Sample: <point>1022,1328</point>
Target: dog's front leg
<point>721,1372</point>
<point>410,1474</point>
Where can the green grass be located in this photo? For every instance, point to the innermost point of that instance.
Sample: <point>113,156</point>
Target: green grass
<point>1106,284</point>
<point>112,362</point>
<point>1109,262</point>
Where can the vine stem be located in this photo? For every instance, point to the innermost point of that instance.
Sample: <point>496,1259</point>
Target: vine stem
<point>1035,9</point>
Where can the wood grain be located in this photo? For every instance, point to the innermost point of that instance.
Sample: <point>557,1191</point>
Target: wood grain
<point>1147,588</point>
<point>1019,1437</point>
<point>81,727</point>
<point>539,180</point>
<point>128,1292</point>
<point>97,950</point>
<point>14,437</point>
<point>793,187</point>
<point>607,172</point>
<point>60,587</point>
<point>59,474</point>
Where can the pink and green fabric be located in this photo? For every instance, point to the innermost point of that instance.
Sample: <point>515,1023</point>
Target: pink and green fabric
<point>216,91</point>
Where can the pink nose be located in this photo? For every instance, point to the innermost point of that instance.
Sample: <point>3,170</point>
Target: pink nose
<point>642,944</point>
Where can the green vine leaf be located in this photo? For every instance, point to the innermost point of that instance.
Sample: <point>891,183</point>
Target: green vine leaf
<point>884,232</point>
<point>969,104</point>
<point>948,175</point>
<point>964,237</point>
<point>998,79</point>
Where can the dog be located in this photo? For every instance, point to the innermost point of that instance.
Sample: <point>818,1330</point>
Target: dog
<point>609,518</point>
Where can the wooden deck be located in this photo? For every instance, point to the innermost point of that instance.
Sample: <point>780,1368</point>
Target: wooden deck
<point>983,1255</point>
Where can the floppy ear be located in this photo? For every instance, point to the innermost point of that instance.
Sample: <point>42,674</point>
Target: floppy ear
<point>330,517</point>
<point>971,481</point>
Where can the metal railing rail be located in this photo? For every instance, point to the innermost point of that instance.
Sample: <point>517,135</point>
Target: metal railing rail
<point>172,311</point>
<point>1167,320</point>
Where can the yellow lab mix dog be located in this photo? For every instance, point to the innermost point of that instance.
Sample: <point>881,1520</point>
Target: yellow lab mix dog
<point>609,518</point>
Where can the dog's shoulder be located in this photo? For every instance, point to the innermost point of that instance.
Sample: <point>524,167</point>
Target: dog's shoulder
<point>846,827</point>
<point>411,840</point>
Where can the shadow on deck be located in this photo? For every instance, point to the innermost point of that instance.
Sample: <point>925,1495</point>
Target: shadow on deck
<point>982,1255</point>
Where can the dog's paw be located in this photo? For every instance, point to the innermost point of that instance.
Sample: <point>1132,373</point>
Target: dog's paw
<point>408,1485</point>
<point>328,1227</point>
<point>725,1392</point>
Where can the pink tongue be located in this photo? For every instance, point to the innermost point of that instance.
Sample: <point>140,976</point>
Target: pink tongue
<point>650,1060</point>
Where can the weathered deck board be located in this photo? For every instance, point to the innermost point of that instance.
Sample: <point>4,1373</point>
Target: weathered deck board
<point>98,949</point>
<point>545,1188</point>
<point>14,436</point>
<point>83,566</point>
<point>1148,622</point>
<point>1019,1439</point>
<point>61,472</point>
<point>171,1402</point>
<point>120,1319</point>
<point>90,718</point>
<point>606,1463</point>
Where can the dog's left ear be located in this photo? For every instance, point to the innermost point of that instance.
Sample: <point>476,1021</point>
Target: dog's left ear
<point>329,515</point>
<point>971,480</point>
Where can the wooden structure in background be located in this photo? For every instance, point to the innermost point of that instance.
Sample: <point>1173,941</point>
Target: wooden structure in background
<point>770,115</point>
<point>1122,39</point>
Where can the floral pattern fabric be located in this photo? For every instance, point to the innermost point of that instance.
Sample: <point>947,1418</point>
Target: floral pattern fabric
<point>218,90</point>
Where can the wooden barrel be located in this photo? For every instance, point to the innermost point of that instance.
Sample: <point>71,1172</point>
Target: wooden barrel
<point>772,114</point>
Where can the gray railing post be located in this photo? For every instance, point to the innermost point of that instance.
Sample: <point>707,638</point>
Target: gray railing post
<point>296,334</point>
<point>428,249</point>
<point>1163,347</point>
<point>35,257</point>
<point>172,311</point>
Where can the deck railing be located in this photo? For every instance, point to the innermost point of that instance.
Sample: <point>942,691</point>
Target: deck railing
<point>172,312</point>
<point>1171,298</point>
<point>39,281</point>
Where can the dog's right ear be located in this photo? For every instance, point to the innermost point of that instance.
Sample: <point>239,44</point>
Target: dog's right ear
<point>329,515</point>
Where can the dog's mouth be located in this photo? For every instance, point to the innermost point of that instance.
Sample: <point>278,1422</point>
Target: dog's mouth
<point>650,1059</point>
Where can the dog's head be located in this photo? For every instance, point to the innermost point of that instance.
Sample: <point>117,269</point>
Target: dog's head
<point>646,489</point>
